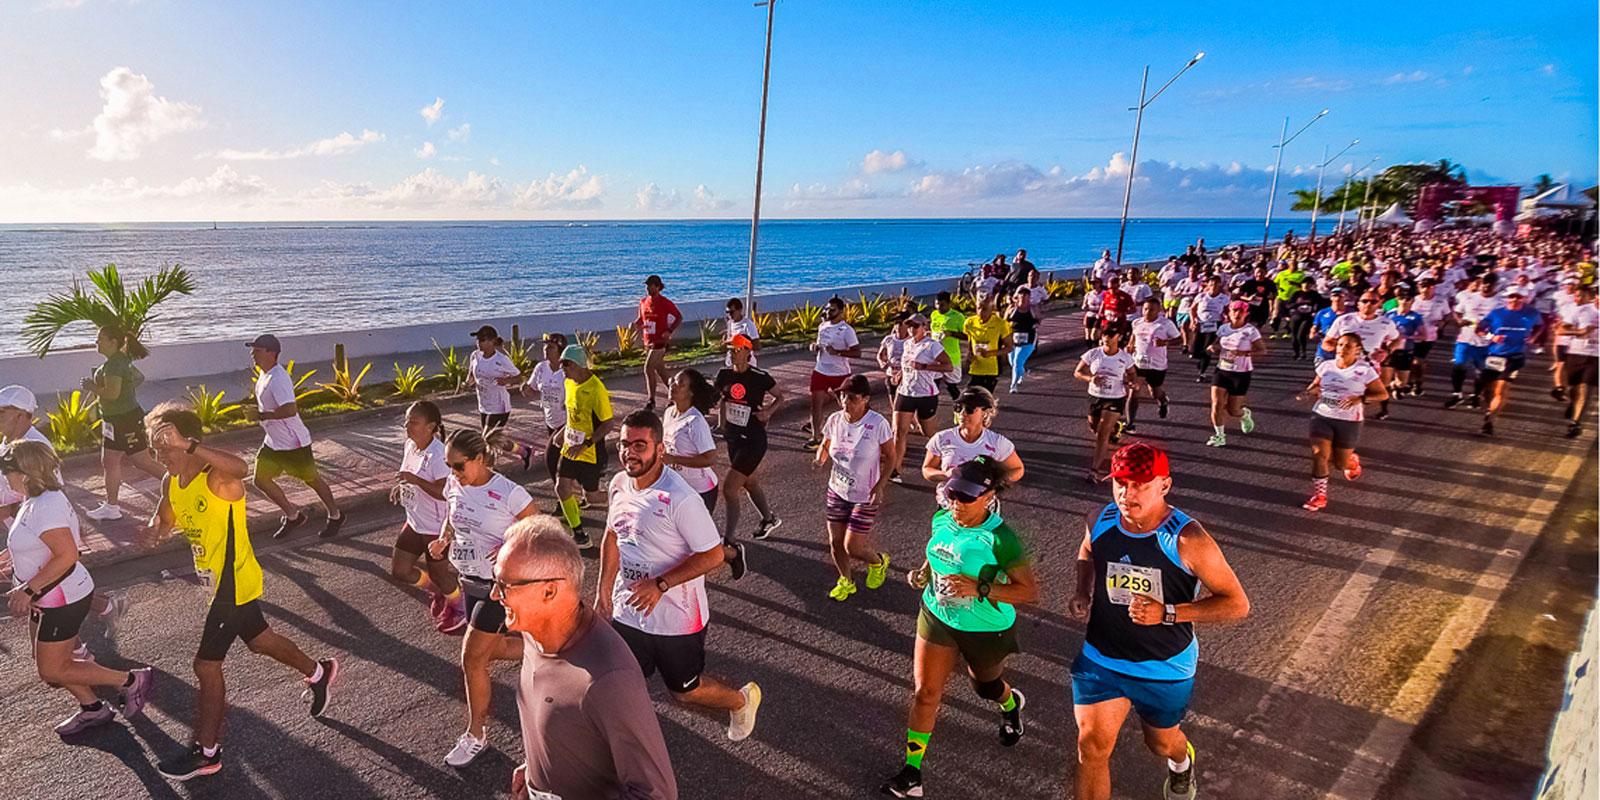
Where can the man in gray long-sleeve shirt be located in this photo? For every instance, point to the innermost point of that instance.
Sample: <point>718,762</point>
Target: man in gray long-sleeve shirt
<point>588,727</point>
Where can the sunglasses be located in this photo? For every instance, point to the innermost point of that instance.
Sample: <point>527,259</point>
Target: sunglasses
<point>505,586</point>
<point>457,466</point>
<point>961,497</point>
<point>1367,301</point>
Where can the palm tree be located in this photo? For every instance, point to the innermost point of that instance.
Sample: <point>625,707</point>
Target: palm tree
<point>1304,200</point>
<point>1543,183</point>
<point>109,304</point>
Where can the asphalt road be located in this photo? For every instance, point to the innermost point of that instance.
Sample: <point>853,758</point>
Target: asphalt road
<point>1342,683</point>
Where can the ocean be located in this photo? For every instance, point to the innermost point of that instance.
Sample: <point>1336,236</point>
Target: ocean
<point>325,277</point>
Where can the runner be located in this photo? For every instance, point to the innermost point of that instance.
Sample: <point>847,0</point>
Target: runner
<point>1583,356</point>
<point>1508,329</point>
<point>116,383</point>
<point>735,323</point>
<point>55,591</point>
<point>1093,298</point>
<point>1561,303</point>
<point>975,573</point>
<point>692,451</point>
<point>1183,296</point>
<point>1024,334</point>
<point>1290,280</point>
<point>949,329</point>
<point>859,442</point>
<point>1301,307</point>
<point>1378,332</point>
<point>588,420</point>
<point>989,335</point>
<point>1397,365</point>
<point>1116,305</point>
<point>1140,570</point>
<point>1210,307</point>
<point>972,436</point>
<point>744,411</point>
<point>1434,309</point>
<point>419,489</point>
<point>835,345</point>
<point>917,397</point>
<point>1108,369</point>
<point>547,384</point>
<point>659,544</point>
<point>1322,322</point>
<point>481,505</point>
<point>1153,333</point>
<point>1238,345</point>
<point>658,319</point>
<point>286,445</point>
<point>491,371</point>
<point>1472,348</point>
<point>890,350</point>
<point>203,496</point>
<point>1341,388</point>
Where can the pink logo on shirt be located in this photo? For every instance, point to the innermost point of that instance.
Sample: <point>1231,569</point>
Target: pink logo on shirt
<point>493,495</point>
<point>666,499</point>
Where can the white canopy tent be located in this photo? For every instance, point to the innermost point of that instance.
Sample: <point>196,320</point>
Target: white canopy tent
<point>1553,202</point>
<point>1394,216</point>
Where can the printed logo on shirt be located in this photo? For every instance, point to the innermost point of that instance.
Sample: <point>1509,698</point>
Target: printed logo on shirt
<point>666,499</point>
<point>200,505</point>
<point>493,495</point>
<point>1125,560</point>
<point>736,391</point>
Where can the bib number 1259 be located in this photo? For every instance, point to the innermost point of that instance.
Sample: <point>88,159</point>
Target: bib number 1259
<point>1123,581</point>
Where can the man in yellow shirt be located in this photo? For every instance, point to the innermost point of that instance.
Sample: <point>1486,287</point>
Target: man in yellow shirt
<point>989,335</point>
<point>583,451</point>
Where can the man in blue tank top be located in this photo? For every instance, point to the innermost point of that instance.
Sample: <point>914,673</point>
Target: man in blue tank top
<point>1140,571</point>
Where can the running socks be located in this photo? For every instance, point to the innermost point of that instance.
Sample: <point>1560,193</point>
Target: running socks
<point>916,747</point>
<point>569,512</point>
<point>1010,703</point>
<point>1318,486</point>
<point>92,707</point>
<point>1179,766</point>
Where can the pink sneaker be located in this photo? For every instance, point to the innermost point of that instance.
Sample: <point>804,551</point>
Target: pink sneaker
<point>1317,502</point>
<point>1352,468</point>
<point>454,619</point>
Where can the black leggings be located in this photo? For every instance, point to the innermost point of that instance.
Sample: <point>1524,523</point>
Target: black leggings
<point>1300,333</point>
<point>552,454</point>
<point>1202,348</point>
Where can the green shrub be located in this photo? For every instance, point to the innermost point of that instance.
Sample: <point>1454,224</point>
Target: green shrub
<point>343,387</point>
<point>453,368</point>
<point>74,424</point>
<point>408,382</point>
<point>212,410</point>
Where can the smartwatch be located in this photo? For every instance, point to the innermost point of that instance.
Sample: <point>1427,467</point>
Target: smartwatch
<point>661,585</point>
<point>1169,615</point>
<point>193,443</point>
<point>983,589</point>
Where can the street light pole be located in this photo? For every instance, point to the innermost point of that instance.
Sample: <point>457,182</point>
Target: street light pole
<point>1316,203</point>
<point>761,154</point>
<point>1344,196</point>
<point>1138,121</point>
<point>1272,194</point>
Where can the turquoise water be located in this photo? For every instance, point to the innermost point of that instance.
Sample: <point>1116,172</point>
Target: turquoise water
<point>320,277</point>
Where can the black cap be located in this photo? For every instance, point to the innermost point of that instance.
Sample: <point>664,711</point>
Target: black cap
<point>266,341</point>
<point>558,339</point>
<point>486,332</point>
<point>973,478</point>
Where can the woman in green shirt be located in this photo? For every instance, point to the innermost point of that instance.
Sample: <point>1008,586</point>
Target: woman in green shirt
<point>976,571</point>
<point>116,383</point>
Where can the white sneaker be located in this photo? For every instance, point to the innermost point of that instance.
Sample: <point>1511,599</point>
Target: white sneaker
<point>104,513</point>
<point>742,722</point>
<point>111,618</point>
<point>1217,440</point>
<point>467,748</point>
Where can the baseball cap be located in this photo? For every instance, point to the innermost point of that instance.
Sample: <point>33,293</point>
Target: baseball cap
<point>917,319</point>
<point>266,341</point>
<point>576,355</point>
<point>18,397</point>
<point>1516,291</point>
<point>1338,290</point>
<point>486,332</point>
<point>1140,462</point>
<point>653,279</point>
<point>971,480</point>
<point>1238,305</point>
<point>741,341</point>
<point>554,338</point>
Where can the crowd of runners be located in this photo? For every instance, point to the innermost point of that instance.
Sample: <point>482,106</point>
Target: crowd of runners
<point>1365,308</point>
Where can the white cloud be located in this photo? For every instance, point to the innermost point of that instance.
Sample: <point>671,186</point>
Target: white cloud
<point>341,144</point>
<point>1414,76</point>
<point>651,199</point>
<point>433,112</point>
<point>134,116</point>
<point>1320,84</point>
<point>427,150</point>
<point>575,189</point>
<point>460,134</point>
<point>1548,69</point>
<point>879,162</point>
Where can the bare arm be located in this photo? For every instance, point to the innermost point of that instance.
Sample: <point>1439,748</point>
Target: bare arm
<point>610,558</point>
<point>706,459</point>
<point>1226,600</point>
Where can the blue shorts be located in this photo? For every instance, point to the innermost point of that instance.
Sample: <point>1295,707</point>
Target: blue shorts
<point>1320,356</point>
<point>1159,704</point>
<point>1471,354</point>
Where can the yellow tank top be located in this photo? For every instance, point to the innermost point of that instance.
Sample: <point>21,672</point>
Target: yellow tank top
<point>215,529</point>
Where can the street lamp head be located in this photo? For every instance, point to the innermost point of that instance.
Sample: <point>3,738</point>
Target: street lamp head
<point>1323,112</point>
<point>1197,57</point>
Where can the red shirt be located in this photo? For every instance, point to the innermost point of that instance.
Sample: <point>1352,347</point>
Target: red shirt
<point>1115,305</point>
<point>658,318</point>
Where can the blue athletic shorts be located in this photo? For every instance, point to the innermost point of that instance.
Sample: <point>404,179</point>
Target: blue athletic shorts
<point>1470,354</point>
<point>1159,704</point>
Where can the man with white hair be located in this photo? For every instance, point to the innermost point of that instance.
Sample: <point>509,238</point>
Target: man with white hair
<point>588,727</point>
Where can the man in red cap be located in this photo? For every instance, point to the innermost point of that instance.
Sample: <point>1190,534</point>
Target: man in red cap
<point>1140,570</point>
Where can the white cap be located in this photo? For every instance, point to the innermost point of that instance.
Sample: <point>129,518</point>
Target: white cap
<point>18,397</point>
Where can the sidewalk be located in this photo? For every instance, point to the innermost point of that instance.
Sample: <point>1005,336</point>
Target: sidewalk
<point>358,453</point>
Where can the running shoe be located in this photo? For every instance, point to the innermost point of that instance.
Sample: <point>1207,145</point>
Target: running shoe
<point>842,589</point>
<point>1180,785</point>
<point>467,748</point>
<point>877,573</point>
<point>1488,426</point>
<point>81,653</point>
<point>1011,727</point>
<point>1317,502</point>
<point>1382,414</point>
<point>454,620</point>
<point>1127,427</point>
<point>1352,468</point>
<point>1574,430</point>
<point>1453,400</point>
<point>287,524</point>
<point>83,720</point>
<point>1217,440</point>
<point>738,566</point>
<point>192,764</point>
<point>581,537</point>
<point>1161,408</point>
<point>894,477</point>
<point>806,428</point>
<point>906,783</point>
<point>742,722</point>
<point>1474,402</point>
<point>105,512</point>
<point>1558,393</point>
<point>583,500</point>
<point>333,526</point>
<point>317,691</point>
<point>812,444</point>
<point>111,618</point>
<point>1201,378</point>
<point>527,457</point>
<point>766,527</point>
<point>1247,421</point>
<point>1417,390</point>
<point>133,697</point>
<point>438,606</point>
<point>1012,389</point>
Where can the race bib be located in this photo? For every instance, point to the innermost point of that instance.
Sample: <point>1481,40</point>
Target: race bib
<point>537,794</point>
<point>738,414</point>
<point>406,496</point>
<point>649,327</point>
<point>1225,360</point>
<point>573,437</point>
<point>1496,363</point>
<point>462,551</point>
<point>840,480</point>
<point>1021,338</point>
<point>945,595</point>
<point>1123,581</point>
<point>632,572</point>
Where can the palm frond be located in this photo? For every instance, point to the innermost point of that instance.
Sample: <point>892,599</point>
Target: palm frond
<point>109,304</point>
<point>113,292</point>
<point>49,316</point>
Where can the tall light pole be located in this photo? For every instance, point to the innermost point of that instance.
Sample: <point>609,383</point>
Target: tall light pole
<point>1316,203</point>
<point>1344,198</point>
<point>1138,120</point>
<point>1272,194</point>
<point>761,154</point>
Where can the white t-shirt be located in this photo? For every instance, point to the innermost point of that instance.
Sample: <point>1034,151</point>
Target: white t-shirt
<point>1584,316</point>
<point>1208,308</point>
<point>1104,268</point>
<point>1342,383</point>
<point>29,553</point>
<point>839,336</point>
<point>687,433</point>
<point>914,381</point>
<point>1564,303</point>
<point>486,371</point>
<point>745,327</point>
<point>854,454</point>
<point>890,351</point>
<point>954,450</point>
<point>1037,295</point>
<point>275,389</point>
<point>480,516</point>
<point>1230,339</point>
<point>1433,311</point>
<point>1374,333</point>
<point>1146,355</point>
<point>1473,307</point>
<point>1110,372</point>
<point>657,528</point>
<point>551,383</point>
<point>424,512</point>
<point>1140,292</point>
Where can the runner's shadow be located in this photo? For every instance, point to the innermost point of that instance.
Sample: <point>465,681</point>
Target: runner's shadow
<point>119,741</point>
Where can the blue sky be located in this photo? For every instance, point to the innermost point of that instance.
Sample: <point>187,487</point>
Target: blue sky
<point>158,109</point>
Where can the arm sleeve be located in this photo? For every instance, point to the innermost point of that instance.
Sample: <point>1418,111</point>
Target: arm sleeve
<point>619,706</point>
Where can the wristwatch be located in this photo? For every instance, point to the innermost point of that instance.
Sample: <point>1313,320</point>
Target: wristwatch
<point>983,589</point>
<point>193,443</point>
<point>661,585</point>
<point>1169,616</point>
